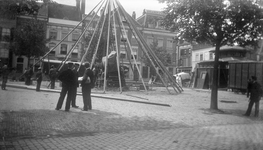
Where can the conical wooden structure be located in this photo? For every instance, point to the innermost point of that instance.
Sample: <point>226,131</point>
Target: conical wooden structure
<point>112,13</point>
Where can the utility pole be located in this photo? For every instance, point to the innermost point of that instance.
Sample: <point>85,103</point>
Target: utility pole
<point>82,13</point>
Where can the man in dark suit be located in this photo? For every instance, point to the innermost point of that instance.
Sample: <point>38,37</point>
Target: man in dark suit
<point>67,78</point>
<point>75,86</point>
<point>87,84</point>
<point>39,78</point>
<point>255,92</point>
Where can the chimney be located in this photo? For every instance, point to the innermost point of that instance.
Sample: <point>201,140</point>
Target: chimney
<point>134,15</point>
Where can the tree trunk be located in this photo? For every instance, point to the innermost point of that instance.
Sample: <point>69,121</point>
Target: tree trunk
<point>214,92</point>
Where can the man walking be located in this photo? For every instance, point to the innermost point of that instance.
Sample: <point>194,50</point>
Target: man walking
<point>68,79</point>
<point>255,92</point>
<point>87,84</point>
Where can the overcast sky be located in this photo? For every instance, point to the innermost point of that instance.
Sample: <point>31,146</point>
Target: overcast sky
<point>129,5</point>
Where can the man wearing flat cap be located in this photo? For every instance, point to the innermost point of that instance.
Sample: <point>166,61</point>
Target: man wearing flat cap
<point>67,78</point>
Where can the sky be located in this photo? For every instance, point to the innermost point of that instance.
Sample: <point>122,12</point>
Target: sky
<point>129,5</point>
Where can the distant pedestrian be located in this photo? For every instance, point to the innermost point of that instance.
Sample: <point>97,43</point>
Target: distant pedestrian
<point>38,78</point>
<point>87,84</point>
<point>28,75</point>
<point>52,77</point>
<point>4,77</point>
<point>254,93</point>
<point>67,78</point>
<point>75,86</point>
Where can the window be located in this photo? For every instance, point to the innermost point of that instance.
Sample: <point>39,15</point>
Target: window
<point>76,49</point>
<point>201,57</point>
<point>63,35</point>
<point>123,54</point>
<point>160,42</point>
<point>75,36</point>
<point>197,57</point>
<point>63,49</point>
<point>19,65</point>
<point>5,34</point>
<point>53,35</point>
<point>169,43</point>
<point>52,45</point>
<point>134,52</point>
<point>211,56</point>
<point>150,41</point>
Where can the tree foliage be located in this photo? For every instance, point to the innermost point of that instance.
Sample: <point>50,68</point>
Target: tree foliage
<point>30,39</point>
<point>11,8</point>
<point>218,22</point>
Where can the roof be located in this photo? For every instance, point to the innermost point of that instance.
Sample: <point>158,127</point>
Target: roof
<point>62,11</point>
<point>229,48</point>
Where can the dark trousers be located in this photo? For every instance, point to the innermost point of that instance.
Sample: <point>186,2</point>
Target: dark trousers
<point>65,90</point>
<point>38,85</point>
<point>74,95</point>
<point>250,105</point>
<point>52,83</point>
<point>4,83</point>
<point>86,90</point>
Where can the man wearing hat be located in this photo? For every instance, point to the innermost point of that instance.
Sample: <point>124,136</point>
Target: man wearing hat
<point>67,78</point>
<point>38,78</point>
<point>87,84</point>
<point>75,86</point>
<point>255,93</point>
<point>52,76</point>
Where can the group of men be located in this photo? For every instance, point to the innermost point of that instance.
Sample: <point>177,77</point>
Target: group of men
<point>70,83</point>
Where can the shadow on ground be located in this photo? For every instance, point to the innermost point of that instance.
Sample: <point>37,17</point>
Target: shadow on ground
<point>46,123</point>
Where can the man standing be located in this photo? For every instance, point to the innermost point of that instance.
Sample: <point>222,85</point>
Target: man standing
<point>87,84</point>
<point>39,78</point>
<point>75,86</point>
<point>68,79</point>
<point>255,92</point>
<point>28,75</point>
<point>52,76</point>
<point>4,77</point>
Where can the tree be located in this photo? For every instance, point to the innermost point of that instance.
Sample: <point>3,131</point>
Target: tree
<point>30,39</point>
<point>9,9</point>
<point>162,54</point>
<point>218,22</point>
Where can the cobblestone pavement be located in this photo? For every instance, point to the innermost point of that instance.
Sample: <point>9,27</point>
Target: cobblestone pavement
<point>28,121</point>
